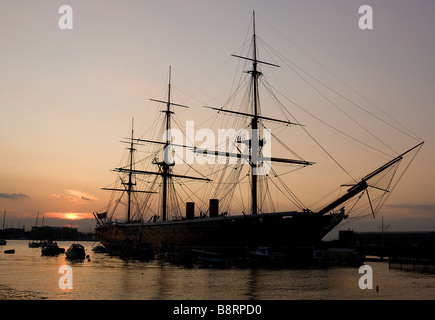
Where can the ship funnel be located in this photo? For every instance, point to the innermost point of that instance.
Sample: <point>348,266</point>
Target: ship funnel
<point>214,207</point>
<point>190,210</point>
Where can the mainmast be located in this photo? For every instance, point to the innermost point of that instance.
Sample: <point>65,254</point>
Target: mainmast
<point>255,139</point>
<point>165,163</point>
<point>255,157</point>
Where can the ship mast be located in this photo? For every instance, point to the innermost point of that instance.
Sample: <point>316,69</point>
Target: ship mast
<point>128,186</point>
<point>255,145</point>
<point>130,174</point>
<point>255,157</point>
<point>164,164</point>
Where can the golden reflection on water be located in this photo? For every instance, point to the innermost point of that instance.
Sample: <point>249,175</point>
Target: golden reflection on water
<point>28,275</point>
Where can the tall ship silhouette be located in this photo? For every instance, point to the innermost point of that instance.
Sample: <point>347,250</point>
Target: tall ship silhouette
<point>173,203</point>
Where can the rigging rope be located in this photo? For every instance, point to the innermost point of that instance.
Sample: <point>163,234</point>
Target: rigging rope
<point>411,134</point>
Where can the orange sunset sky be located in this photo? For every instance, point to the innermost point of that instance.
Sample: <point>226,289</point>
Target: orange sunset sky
<point>67,97</point>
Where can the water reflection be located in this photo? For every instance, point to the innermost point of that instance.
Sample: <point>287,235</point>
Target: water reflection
<point>28,275</point>
<point>162,285</point>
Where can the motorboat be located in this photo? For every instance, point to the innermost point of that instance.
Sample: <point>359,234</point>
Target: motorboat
<point>76,251</point>
<point>51,249</point>
<point>99,249</point>
<point>34,244</point>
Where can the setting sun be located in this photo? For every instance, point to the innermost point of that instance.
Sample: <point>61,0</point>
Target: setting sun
<point>68,215</point>
<point>72,216</point>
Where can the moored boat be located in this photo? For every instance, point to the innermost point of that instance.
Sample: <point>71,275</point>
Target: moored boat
<point>75,251</point>
<point>34,244</point>
<point>51,248</point>
<point>99,249</point>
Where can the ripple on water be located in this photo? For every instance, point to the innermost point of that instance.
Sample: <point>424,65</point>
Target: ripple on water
<point>8,293</point>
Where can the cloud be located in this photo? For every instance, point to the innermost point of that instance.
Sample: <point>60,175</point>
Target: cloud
<point>419,207</point>
<point>415,211</point>
<point>75,196</point>
<point>82,195</point>
<point>13,195</point>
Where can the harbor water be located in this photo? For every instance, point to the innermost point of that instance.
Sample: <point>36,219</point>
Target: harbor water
<point>28,275</point>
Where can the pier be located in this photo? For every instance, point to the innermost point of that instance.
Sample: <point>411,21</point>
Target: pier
<point>403,250</point>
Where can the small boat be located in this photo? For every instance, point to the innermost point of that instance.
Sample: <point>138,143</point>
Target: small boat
<point>214,262</point>
<point>339,256</point>
<point>178,256</point>
<point>51,249</point>
<point>11,251</point>
<point>2,242</point>
<point>269,256</point>
<point>42,244</point>
<point>75,251</point>
<point>210,259</point>
<point>99,249</point>
<point>34,244</point>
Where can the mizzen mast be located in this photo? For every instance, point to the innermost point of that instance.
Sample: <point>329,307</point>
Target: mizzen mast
<point>128,186</point>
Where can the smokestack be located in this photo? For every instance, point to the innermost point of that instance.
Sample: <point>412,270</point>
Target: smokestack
<point>190,210</point>
<point>214,207</point>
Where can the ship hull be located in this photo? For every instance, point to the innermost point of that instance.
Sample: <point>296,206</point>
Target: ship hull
<point>224,233</point>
